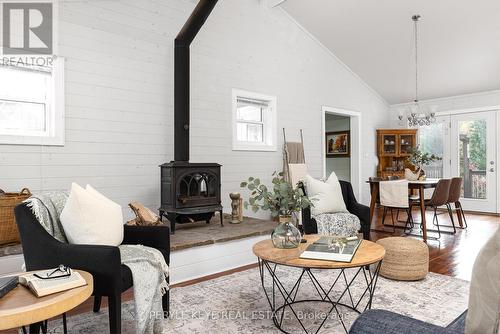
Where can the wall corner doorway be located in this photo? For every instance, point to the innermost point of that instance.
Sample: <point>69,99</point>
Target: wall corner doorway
<point>341,145</point>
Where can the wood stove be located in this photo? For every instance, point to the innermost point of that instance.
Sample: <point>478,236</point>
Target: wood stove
<point>189,191</point>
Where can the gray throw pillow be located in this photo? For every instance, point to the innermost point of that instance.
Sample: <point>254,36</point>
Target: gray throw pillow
<point>483,316</point>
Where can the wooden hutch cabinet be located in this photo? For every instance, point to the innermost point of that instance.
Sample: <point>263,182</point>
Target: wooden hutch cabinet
<point>393,148</point>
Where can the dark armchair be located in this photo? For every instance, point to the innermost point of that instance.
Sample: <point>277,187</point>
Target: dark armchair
<point>361,211</point>
<point>111,278</point>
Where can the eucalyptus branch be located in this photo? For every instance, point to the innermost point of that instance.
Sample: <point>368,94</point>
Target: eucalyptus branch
<point>283,199</point>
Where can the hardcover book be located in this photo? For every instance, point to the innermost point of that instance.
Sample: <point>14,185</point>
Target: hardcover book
<point>42,287</point>
<point>332,249</point>
<point>7,284</point>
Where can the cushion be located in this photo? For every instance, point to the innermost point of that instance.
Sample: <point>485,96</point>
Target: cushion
<point>483,315</point>
<point>327,196</point>
<point>91,218</point>
<point>341,223</point>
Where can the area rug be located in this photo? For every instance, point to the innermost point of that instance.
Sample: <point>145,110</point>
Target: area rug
<point>236,304</point>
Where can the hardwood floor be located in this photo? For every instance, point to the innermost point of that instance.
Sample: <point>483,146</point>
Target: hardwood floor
<point>452,255</point>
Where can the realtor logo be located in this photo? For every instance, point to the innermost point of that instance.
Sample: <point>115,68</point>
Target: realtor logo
<point>27,28</point>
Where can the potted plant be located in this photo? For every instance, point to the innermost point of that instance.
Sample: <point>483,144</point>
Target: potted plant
<point>282,200</point>
<point>419,158</point>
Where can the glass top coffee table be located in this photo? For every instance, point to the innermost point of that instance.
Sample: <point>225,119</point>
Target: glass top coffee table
<point>337,293</point>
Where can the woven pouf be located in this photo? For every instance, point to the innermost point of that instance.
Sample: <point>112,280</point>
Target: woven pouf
<point>405,259</point>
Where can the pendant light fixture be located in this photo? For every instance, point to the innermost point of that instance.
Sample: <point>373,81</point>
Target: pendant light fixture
<point>416,115</point>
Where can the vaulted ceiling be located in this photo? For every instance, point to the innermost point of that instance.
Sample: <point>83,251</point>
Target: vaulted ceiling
<point>459,43</point>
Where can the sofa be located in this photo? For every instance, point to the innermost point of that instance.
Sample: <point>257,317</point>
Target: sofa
<point>310,226</point>
<point>386,322</point>
<point>481,317</point>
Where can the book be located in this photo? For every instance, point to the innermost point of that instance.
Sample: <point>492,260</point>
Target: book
<point>43,287</point>
<point>332,249</point>
<point>7,284</point>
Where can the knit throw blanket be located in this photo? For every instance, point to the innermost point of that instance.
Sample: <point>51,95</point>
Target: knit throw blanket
<point>148,267</point>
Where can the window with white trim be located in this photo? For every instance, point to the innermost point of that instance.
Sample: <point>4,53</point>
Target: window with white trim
<point>32,104</point>
<point>254,121</point>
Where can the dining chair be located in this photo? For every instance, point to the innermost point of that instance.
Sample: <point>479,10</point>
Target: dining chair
<point>439,198</point>
<point>394,196</point>
<point>393,178</point>
<point>454,197</point>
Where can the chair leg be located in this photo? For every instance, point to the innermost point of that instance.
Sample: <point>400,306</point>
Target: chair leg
<point>383,215</point>
<point>450,212</point>
<point>462,212</point>
<point>97,303</point>
<point>165,301</point>
<point>392,220</point>
<point>408,219</point>
<point>115,313</point>
<point>437,222</point>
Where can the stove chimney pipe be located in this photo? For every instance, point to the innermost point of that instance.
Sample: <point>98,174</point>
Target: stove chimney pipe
<point>181,76</point>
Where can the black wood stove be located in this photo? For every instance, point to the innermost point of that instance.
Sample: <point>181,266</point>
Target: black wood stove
<point>189,191</point>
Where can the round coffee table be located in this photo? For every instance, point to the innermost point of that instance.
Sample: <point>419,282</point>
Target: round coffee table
<point>368,253</point>
<point>20,307</point>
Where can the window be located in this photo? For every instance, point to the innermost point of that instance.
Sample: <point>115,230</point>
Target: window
<point>32,104</point>
<point>254,121</point>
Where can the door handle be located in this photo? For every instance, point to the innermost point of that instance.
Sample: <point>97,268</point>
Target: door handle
<point>492,169</point>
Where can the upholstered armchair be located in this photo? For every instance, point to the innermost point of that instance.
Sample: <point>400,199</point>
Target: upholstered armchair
<point>310,226</point>
<point>111,278</point>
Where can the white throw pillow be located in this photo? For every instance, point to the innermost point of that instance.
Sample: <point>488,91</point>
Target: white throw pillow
<point>91,218</point>
<point>327,196</point>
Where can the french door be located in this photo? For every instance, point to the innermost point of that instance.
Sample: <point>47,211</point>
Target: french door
<point>468,144</point>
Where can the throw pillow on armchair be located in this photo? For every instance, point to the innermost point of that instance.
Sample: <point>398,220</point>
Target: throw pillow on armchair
<point>91,218</point>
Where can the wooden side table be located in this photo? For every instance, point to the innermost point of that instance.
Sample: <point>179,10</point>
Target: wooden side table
<point>20,307</point>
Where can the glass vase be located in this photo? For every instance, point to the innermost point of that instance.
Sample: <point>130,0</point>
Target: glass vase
<point>286,235</point>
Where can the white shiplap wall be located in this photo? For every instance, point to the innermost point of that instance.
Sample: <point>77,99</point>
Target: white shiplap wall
<point>119,95</point>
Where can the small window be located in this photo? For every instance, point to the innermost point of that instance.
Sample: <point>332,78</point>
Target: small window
<point>254,118</point>
<point>31,104</point>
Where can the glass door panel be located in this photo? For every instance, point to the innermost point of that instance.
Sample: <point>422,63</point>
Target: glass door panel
<point>406,142</point>
<point>389,144</point>
<point>433,139</point>
<point>473,158</point>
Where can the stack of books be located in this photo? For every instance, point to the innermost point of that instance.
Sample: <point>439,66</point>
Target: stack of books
<point>338,249</point>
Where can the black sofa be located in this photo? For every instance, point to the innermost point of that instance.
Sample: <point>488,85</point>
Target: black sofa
<point>386,322</point>
<point>310,226</point>
<point>111,278</point>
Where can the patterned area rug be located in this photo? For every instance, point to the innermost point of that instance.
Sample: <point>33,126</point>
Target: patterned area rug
<point>237,304</point>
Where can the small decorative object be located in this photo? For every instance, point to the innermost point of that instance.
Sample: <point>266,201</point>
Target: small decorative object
<point>338,144</point>
<point>281,201</point>
<point>235,204</point>
<point>419,158</point>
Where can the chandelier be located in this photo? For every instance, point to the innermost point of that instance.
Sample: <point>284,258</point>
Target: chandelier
<point>417,115</point>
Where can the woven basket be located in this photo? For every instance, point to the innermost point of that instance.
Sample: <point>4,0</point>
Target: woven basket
<point>8,228</point>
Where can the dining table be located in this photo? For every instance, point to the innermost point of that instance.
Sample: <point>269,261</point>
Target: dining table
<point>419,185</point>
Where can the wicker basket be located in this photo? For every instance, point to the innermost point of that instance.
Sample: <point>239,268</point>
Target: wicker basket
<point>8,228</point>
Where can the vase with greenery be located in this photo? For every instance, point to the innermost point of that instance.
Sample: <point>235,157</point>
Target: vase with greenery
<point>282,200</point>
<point>418,158</point>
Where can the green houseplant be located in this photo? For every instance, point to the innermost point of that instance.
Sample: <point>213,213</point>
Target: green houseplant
<point>419,158</point>
<point>282,200</point>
